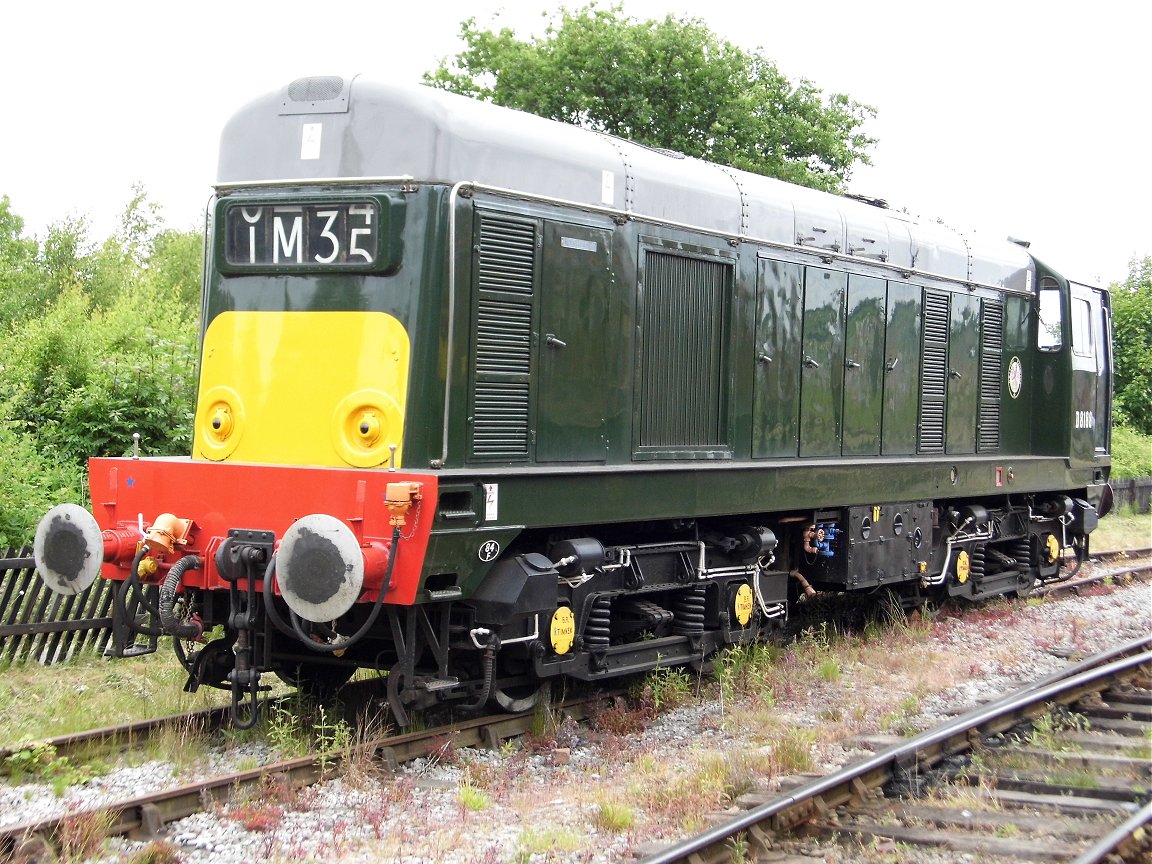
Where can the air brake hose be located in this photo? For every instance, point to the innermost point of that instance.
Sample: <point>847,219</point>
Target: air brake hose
<point>172,625</point>
<point>330,648</point>
<point>120,599</point>
<point>489,662</point>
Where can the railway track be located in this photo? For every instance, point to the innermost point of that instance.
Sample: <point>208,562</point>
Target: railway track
<point>1134,569</point>
<point>145,816</point>
<point>1084,800</point>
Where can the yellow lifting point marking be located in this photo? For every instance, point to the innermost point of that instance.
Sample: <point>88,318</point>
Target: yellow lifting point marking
<point>562,630</point>
<point>743,604</point>
<point>962,567</point>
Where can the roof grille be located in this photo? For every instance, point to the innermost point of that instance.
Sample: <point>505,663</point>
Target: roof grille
<point>320,89</point>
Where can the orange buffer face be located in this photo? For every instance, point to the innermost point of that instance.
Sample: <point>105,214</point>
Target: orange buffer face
<point>219,496</point>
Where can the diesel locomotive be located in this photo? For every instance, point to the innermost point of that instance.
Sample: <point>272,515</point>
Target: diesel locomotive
<point>487,399</point>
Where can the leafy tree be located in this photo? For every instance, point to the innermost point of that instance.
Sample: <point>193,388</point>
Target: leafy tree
<point>176,265</point>
<point>101,345</point>
<point>1132,346</point>
<point>22,292</point>
<point>670,83</point>
<point>66,255</point>
<point>122,260</point>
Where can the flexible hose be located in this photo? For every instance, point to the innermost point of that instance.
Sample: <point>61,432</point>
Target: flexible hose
<point>489,676</point>
<point>269,600</point>
<point>120,600</point>
<point>173,626</point>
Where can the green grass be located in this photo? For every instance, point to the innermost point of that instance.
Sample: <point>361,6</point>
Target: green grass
<point>471,798</point>
<point>90,692</point>
<point>613,817</point>
<point>1123,528</point>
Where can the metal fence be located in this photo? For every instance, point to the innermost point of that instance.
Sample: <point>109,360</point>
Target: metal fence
<point>39,625</point>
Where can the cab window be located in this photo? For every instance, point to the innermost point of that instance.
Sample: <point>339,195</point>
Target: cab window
<point>1081,327</point>
<point>1049,332</point>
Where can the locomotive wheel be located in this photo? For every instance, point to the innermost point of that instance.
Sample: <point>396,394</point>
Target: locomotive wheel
<point>517,699</point>
<point>315,679</point>
<point>516,689</point>
<point>1024,585</point>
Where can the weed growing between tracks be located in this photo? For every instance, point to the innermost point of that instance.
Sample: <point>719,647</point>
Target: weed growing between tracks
<point>82,834</point>
<point>39,763</point>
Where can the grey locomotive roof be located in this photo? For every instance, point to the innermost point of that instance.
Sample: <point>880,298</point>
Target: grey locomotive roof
<point>330,127</point>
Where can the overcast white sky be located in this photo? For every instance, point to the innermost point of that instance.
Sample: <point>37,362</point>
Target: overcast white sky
<point>1022,118</point>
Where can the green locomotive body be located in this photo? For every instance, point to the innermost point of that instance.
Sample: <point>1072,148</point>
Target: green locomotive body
<point>637,404</point>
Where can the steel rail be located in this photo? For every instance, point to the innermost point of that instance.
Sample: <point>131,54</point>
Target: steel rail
<point>1115,839</point>
<point>1136,570</point>
<point>1064,686</point>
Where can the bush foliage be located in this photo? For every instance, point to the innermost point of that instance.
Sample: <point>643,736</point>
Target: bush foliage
<point>1132,335</point>
<point>99,344</point>
<point>1131,453</point>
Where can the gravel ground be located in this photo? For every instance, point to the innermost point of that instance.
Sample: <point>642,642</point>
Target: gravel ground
<point>571,798</point>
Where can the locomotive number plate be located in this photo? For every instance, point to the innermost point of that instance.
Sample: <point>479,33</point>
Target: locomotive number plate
<point>301,235</point>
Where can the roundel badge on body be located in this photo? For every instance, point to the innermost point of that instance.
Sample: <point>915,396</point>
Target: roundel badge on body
<point>1015,377</point>
<point>488,551</point>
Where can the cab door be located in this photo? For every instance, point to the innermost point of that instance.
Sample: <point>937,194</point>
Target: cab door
<point>1091,372</point>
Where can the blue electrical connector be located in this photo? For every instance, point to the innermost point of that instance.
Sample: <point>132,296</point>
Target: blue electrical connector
<point>830,531</point>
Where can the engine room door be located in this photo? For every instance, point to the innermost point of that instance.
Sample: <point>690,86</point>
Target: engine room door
<point>577,344</point>
<point>776,380</point>
<point>822,362</point>
<point>963,373</point>
<point>901,368</point>
<point>863,366</point>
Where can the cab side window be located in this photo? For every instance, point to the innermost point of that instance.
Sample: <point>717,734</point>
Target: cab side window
<point>1081,327</point>
<point>1049,333</point>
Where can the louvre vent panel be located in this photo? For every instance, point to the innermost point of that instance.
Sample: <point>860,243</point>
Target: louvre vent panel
<point>990,365</point>
<point>991,372</point>
<point>502,322</point>
<point>685,309</point>
<point>504,337</point>
<point>935,317</point>
<point>932,428</point>
<point>507,256</point>
<point>988,438</point>
<point>934,373</point>
<point>500,420</point>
